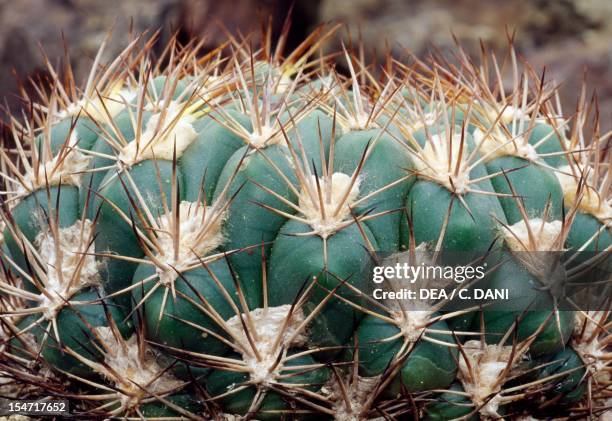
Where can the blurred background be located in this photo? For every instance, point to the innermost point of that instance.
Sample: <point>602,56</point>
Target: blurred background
<point>565,35</point>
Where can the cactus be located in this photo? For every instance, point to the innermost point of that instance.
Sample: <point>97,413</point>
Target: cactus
<point>192,237</point>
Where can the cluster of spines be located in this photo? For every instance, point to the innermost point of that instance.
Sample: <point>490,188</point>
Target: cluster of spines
<point>342,155</point>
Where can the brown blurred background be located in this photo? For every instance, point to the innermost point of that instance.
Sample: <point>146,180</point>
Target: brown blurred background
<point>565,35</point>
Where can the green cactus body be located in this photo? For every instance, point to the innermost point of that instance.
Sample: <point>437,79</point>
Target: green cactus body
<point>81,128</point>
<point>530,307</point>
<point>196,238</point>
<point>571,386</point>
<point>75,323</point>
<point>538,187</point>
<point>415,373</point>
<point>450,405</point>
<point>32,214</point>
<point>239,398</point>
<point>296,261</point>
<point>244,223</point>
<point>386,162</point>
<point>171,321</point>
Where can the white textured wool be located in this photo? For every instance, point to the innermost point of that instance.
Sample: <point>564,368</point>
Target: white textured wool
<point>268,323</point>
<point>199,232</point>
<point>266,136</point>
<point>358,394</point>
<point>496,144</point>
<point>70,264</point>
<point>484,383</point>
<point>337,191</point>
<point>590,341</point>
<point>134,374</point>
<point>546,235</point>
<point>438,161</point>
<point>194,219</point>
<point>586,198</point>
<point>412,323</point>
<point>100,107</point>
<point>65,168</point>
<point>164,133</point>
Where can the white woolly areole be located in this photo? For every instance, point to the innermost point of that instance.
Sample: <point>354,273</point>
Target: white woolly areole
<point>113,105</point>
<point>419,119</point>
<point>100,107</point>
<point>265,136</point>
<point>591,202</point>
<point>159,138</point>
<point>435,162</point>
<point>268,323</point>
<point>65,168</point>
<point>199,233</point>
<point>498,143</point>
<point>75,257</point>
<point>488,363</point>
<point>333,192</point>
<point>358,394</point>
<point>134,374</point>
<point>511,113</point>
<point>508,114</point>
<point>545,234</point>
<point>428,119</point>
<point>412,323</point>
<point>587,342</point>
<point>358,121</point>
